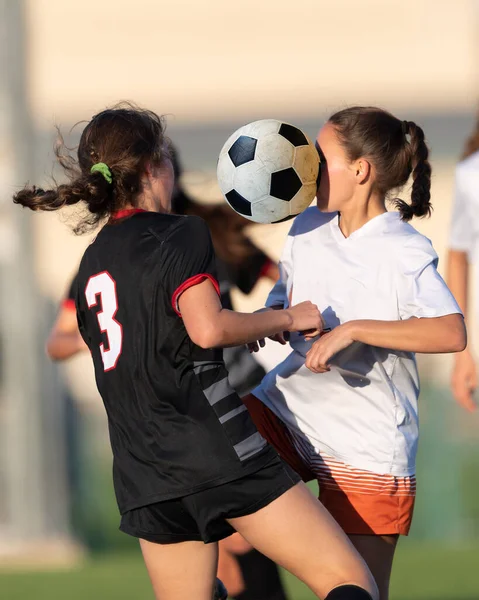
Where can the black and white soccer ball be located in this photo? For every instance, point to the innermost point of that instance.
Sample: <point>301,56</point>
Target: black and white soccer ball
<point>268,171</point>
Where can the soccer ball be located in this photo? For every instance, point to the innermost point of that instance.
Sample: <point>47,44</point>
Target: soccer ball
<point>268,171</point>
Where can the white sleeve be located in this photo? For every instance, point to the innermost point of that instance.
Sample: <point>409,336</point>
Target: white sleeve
<point>461,233</point>
<point>279,295</point>
<point>421,291</point>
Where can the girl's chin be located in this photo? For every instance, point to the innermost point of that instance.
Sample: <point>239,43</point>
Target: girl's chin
<point>321,204</point>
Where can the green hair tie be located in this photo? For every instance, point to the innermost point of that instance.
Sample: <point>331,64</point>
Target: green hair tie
<point>104,169</point>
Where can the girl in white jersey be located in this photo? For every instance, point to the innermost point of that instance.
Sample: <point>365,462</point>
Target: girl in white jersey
<point>464,250</point>
<point>343,409</point>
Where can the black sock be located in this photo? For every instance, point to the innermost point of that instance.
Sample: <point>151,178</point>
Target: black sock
<point>348,592</point>
<point>261,577</point>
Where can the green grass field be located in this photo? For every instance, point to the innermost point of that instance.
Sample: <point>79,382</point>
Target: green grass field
<point>447,508</point>
<point>422,572</point>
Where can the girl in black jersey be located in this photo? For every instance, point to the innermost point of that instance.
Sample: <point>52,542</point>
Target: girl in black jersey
<point>189,465</point>
<point>248,574</point>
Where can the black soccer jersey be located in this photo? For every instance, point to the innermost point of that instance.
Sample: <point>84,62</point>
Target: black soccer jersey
<point>176,426</point>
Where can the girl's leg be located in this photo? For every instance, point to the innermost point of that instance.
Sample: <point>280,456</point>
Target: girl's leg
<point>378,552</point>
<point>370,508</point>
<point>229,570</point>
<point>298,533</point>
<point>262,577</point>
<point>248,574</point>
<point>181,571</point>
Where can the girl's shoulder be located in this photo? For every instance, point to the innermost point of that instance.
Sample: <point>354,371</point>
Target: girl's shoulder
<point>409,246</point>
<point>404,232</point>
<point>310,219</point>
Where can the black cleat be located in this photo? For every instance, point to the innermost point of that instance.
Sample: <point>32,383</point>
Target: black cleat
<point>220,592</point>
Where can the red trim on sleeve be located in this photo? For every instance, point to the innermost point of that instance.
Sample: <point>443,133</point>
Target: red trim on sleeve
<point>127,212</point>
<point>190,283</point>
<point>69,304</point>
<point>265,268</point>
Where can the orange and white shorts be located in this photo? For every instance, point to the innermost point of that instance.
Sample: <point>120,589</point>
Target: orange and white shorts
<point>362,502</point>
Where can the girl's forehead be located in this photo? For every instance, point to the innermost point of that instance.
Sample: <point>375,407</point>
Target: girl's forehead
<point>327,136</point>
<point>329,145</point>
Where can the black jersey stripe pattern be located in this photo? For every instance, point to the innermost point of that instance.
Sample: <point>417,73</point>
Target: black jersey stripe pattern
<point>202,366</point>
<point>228,407</point>
<point>218,390</point>
<point>250,446</point>
<point>232,413</point>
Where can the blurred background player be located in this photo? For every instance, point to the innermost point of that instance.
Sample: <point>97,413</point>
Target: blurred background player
<point>65,340</point>
<point>239,262</point>
<point>463,251</point>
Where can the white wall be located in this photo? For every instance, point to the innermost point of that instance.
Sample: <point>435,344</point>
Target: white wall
<point>213,59</point>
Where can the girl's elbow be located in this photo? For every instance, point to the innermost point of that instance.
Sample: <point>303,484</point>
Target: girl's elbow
<point>207,337</point>
<point>459,338</point>
<point>461,343</point>
<point>51,350</point>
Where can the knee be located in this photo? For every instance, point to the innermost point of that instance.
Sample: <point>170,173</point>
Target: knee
<point>350,592</point>
<point>353,584</point>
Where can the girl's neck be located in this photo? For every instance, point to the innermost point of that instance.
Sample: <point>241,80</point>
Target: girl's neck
<point>356,214</point>
<point>158,203</point>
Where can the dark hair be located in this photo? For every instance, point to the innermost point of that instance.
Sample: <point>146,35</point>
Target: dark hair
<point>472,143</point>
<point>381,138</point>
<point>227,227</point>
<point>123,137</point>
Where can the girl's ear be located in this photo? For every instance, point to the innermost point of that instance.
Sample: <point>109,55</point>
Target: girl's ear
<point>362,169</point>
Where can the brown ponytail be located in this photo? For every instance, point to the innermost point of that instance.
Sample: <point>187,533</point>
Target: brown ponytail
<point>421,173</point>
<point>125,138</point>
<point>383,140</point>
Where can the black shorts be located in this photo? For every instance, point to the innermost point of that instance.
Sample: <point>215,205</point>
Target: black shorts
<point>203,516</point>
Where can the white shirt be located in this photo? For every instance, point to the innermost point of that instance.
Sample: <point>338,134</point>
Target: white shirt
<point>364,410</point>
<point>465,215</point>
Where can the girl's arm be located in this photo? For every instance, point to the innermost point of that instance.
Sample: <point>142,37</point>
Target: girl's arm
<point>65,340</point>
<point>209,325</point>
<point>426,335</point>
<point>464,373</point>
<point>458,277</point>
<point>434,335</point>
<point>461,242</point>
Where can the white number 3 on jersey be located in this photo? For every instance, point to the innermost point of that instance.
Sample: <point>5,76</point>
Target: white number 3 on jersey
<point>104,285</point>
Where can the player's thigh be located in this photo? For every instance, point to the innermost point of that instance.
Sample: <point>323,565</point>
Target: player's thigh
<point>378,552</point>
<point>181,570</point>
<point>297,532</point>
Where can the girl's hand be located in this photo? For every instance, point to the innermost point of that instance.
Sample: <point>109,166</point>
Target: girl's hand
<point>329,344</point>
<point>464,380</point>
<point>281,338</point>
<point>255,346</point>
<point>305,317</point>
